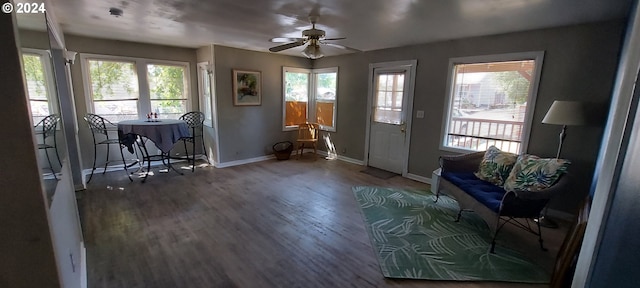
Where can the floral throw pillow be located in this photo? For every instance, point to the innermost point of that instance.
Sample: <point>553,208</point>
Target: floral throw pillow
<point>532,173</point>
<point>496,166</point>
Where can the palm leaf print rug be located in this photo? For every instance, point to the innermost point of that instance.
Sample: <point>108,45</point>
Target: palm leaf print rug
<point>416,238</point>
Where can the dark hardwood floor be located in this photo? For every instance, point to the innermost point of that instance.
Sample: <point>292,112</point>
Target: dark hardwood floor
<point>291,223</point>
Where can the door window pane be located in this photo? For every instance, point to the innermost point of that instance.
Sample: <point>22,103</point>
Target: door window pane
<point>389,90</point>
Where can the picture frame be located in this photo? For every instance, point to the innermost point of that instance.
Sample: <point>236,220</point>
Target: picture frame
<point>247,90</point>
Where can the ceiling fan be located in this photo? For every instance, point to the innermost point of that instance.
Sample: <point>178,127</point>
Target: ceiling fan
<point>314,37</point>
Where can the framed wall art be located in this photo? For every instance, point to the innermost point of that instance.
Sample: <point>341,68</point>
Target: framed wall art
<point>247,88</point>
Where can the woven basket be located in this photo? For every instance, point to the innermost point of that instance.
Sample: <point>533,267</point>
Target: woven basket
<point>283,150</point>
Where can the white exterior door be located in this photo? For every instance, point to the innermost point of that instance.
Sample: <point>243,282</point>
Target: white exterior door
<point>392,90</point>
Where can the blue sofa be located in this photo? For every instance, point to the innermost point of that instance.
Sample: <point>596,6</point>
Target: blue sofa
<point>492,203</point>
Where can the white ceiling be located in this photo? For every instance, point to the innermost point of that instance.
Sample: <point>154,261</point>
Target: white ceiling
<point>367,24</point>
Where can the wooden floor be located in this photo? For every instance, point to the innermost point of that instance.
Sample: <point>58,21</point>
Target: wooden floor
<point>291,223</point>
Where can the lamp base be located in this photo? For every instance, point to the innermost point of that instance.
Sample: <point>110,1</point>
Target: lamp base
<point>547,222</point>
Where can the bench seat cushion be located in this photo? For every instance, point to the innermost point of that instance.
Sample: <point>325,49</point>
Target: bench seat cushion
<point>484,192</point>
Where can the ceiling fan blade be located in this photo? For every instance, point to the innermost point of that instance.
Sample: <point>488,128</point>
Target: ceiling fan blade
<point>341,47</point>
<point>286,46</point>
<point>285,39</point>
<point>339,38</point>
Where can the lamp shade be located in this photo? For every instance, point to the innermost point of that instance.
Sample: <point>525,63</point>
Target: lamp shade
<point>565,113</point>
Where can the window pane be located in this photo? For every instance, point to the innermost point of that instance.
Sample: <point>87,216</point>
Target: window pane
<point>325,113</point>
<point>34,74</point>
<point>296,87</point>
<point>37,88</point>
<point>112,80</point>
<point>114,89</point>
<point>326,86</point>
<point>169,109</point>
<point>39,110</point>
<point>488,105</point>
<point>296,97</point>
<point>117,111</point>
<point>296,113</point>
<point>167,82</point>
<point>389,91</point>
<point>206,91</point>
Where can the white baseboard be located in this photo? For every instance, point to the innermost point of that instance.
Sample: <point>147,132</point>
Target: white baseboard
<point>343,158</point>
<point>244,161</point>
<point>83,265</point>
<point>351,160</point>
<point>419,178</point>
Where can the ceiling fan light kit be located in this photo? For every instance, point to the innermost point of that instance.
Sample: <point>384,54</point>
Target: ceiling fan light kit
<point>313,51</point>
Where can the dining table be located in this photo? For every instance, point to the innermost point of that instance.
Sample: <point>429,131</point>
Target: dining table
<point>164,133</point>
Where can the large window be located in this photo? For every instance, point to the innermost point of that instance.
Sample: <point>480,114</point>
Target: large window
<point>130,88</point>
<point>310,96</point>
<point>490,101</point>
<point>38,75</point>
<point>114,89</point>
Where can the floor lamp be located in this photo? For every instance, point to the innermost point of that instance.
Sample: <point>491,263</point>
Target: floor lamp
<point>565,113</point>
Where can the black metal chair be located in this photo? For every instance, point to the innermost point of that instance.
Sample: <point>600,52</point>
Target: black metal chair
<point>47,128</point>
<point>195,121</point>
<point>101,126</point>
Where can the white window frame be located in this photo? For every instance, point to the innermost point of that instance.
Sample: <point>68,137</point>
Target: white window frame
<point>537,56</point>
<point>311,100</point>
<point>52,99</point>
<point>144,97</point>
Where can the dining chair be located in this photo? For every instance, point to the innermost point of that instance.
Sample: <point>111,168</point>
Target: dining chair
<point>308,135</point>
<point>100,128</point>
<point>195,121</point>
<point>47,128</point>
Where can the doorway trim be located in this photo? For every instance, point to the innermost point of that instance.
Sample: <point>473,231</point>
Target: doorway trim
<point>211,124</point>
<point>412,64</point>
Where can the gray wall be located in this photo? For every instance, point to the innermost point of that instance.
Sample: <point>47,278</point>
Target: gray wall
<point>247,132</point>
<point>119,48</point>
<point>34,39</point>
<point>579,64</point>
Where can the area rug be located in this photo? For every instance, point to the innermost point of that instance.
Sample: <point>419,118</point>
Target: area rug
<point>378,173</point>
<point>415,238</point>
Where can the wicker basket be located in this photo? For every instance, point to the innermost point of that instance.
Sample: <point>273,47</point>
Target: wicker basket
<point>283,150</point>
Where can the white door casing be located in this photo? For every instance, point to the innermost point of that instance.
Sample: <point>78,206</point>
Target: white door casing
<point>207,104</point>
<point>390,101</point>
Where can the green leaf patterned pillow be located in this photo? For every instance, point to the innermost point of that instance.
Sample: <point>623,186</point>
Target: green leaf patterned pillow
<point>496,166</point>
<point>532,173</point>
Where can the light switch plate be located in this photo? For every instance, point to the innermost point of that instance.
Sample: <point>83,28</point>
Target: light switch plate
<point>420,114</point>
